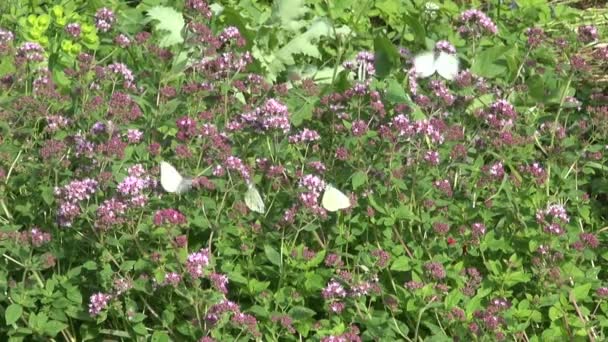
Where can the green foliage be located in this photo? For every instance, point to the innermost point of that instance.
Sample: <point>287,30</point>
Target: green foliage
<point>477,205</point>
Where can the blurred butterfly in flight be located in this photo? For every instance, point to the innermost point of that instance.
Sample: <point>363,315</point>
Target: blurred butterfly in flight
<point>173,181</point>
<point>445,64</point>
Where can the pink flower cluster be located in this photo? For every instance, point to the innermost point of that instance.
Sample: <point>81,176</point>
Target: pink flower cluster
<point>272,115</point>
<point>429,128</point>
<point>305,136</point>
<point>31,52</point>
<point>98,302</point>
<point>479,19</point>
<point>445,46</point>
<point>197,262</point>
<point>69,197</point>
<point>553,218</point>
<point>124,71</point>
<point>235,163</point>
<point>73,29</point>
<point>169,216</point>
<point>104,18</point>
<point>587,33</point>
<point>500,115</point>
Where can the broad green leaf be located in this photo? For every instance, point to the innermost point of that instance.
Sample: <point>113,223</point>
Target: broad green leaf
<point>401,264</point>
<point>581,292</point>
<point>13,313</point>
<point>359,178</point>
<point>490,63</point>
<point>168,20</point>
<point>273,256</point>
<point>301,313</point>
<point>386,56</point>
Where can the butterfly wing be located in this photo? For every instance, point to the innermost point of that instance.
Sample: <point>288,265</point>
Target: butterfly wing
<point>447,65</point>
<point>254,201</point>
<point>424,64</point>
<point>334,200</point>
<point>172,181</point>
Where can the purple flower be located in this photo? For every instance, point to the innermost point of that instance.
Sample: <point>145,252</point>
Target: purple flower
<point>333,290</point>
<point>234,163</point>
<point>98,302</point>
<point>272,115</point>
<point>306,135</point>
<point>122,41</point>
<point>172,279</point>
<point>587,33</point>
<point>169,216</point>
<point>73,29</point>
<point>219,282</point>
<point>312,183</point>
<point>30,51</point>
<point>76,191</point>
<point>441,91</point>
<point>104,18</point>
<point>38,237</point>
<point>432,157</point>
<point>109,213</point>
<point>477,17</point>
<point>478,229</point>
<point>435,270</point>
<point>359,128</point>
<point>445,46</point>
<point>535,35</point>
<point>217,310</point>
<point>124,71</point>
<point>196,263</point>
<point>6,36</point>
<point>122,285</point>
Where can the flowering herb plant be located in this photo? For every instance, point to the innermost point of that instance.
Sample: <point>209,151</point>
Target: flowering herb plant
<point>397,197</point>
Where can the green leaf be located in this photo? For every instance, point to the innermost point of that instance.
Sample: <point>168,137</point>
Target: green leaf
<point>491,62</point>
<point>386,56</point>
<point>168,20</point>
<point>52,328</point>
<point>514,278</point>
<point>359,178</point>
<point>256,286</point>
<point>13,313</point>
<point>160,336</point>
<point>395,92</point>
<point>402,263</point>
<point>272,255</point>
<point>287,12</point>
<point>581,292</point>
<point>301,313</point>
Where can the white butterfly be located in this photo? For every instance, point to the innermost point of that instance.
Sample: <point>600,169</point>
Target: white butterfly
<point>253,200</point>
<point>445,64</point>
<point>334,200</point>
<point>172,181</point>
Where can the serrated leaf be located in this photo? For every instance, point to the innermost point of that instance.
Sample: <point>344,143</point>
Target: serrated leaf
<point>168,20</point>
<point>287,12</point>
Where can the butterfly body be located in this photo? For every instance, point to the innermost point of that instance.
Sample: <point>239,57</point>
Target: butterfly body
<point>445,64</point>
